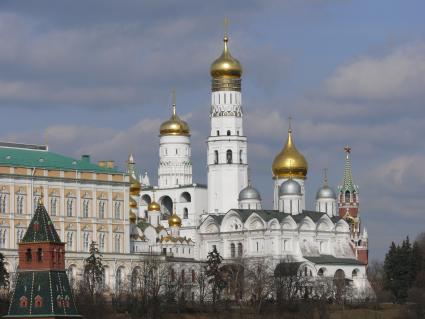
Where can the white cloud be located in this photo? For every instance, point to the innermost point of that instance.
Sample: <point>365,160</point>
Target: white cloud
<point>399,74</point>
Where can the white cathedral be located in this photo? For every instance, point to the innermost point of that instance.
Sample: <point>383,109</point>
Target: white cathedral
<point>184,219</point>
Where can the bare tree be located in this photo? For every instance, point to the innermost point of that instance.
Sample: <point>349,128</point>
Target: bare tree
<point>202,285</point>
<point>259,279</point>
<point>289,283</point>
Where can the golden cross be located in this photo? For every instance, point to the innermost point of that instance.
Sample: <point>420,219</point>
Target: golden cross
<point>226,26</point>
<point>325,173</point>
<point>290,124</point>
<point>173,98</point>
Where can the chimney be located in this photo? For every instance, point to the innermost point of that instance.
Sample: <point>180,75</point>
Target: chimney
<point>110,164</point>
<point>85,158</point>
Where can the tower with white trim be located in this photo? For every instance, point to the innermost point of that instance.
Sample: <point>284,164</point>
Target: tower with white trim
<point>175,166</point>
<point>227,144</point>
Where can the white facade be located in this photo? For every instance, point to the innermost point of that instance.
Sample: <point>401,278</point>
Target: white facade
<point>226,152</point>
<point>175,166</point>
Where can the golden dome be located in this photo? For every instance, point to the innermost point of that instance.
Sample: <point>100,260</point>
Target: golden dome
<point>154,207</point>
<point>226,66</point>
<point>132,203</point>
<point>134,186</point>
<point>175,125</point>
<point>290,162</point>
<point>174,221</point>
<point>132,217</point>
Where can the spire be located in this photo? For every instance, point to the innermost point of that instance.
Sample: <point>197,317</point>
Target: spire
<point>348,184</point>
<point>41,228</point>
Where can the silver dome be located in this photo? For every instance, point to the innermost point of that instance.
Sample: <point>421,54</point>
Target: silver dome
<point>249,193</point>
<point>290,187</point>
<point>325,192</point>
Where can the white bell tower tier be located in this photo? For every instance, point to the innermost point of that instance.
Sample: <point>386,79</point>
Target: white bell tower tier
<point>227,144</point>
<point>175,165</point>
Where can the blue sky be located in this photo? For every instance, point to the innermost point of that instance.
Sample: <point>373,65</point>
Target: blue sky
<point>95,77</point>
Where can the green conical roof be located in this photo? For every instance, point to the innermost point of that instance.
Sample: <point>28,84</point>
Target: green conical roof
<point>41,228</point>
<point>347,183</point>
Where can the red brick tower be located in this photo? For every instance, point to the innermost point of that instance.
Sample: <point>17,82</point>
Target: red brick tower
<point>348,203</point>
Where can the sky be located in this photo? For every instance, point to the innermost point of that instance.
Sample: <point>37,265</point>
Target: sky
<point>95,77</point>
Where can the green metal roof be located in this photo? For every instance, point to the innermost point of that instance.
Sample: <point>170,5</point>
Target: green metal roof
<point>41,228</point>
<point>51,287</point>
<point>28,157</point>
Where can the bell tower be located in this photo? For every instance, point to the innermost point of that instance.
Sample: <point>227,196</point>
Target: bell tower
<point>227,144</point>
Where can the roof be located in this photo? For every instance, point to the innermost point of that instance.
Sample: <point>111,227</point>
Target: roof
<point>332,260</point>
<point>268,215</point>
<point>41,228</point>
<point>58,301</point>
<point>16,155</point>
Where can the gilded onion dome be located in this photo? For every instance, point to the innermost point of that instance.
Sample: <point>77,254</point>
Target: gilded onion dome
<point>290,162</point>
<point>154,207</point>
<point>132,217</point>
<point>174,221</point>
<point>134,186</point>
<point>175,125</point>
<point>132,203</point>
<point>226,66</point>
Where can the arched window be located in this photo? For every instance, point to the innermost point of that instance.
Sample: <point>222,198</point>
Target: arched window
<point>38,301</point>
<point>321,272</point>
<point>185,213</point>
<point>71,275</point>
<point>228,132</point>
<point>3,203</point>
<point>117,210</point>
<point>101,209</point>
<point>86,241</point>
<point>229,157</point>
<point>240,250</point>
<point>232,250</point>
<point>347,196</point>
<point>215,157</point>
<point>355,273</point>
<point>53,202</point>
<point>117,243</point>
<point>240,157</point>
<point>185,197</point>
<point>59,301</point>
<point>3,236</point>
<point>20,205</point>
<point>183,277</point>
<point>102,241</point>
<point>69,204</point>
<point>23,302</point>
<point>69,240</point>
<point>119,278</point>
<point>193,275</point>
<point>218,133</point>
<point>86,204</point>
